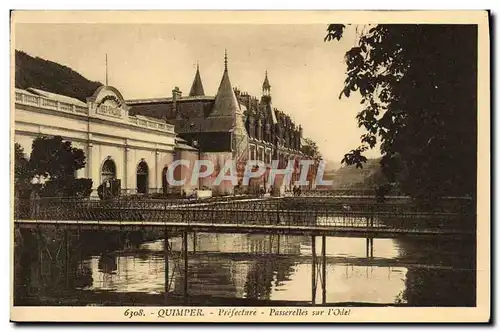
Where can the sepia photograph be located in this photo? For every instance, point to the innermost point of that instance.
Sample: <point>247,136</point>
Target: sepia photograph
<point>250,166</point>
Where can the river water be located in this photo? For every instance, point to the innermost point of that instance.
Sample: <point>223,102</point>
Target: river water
<point>241,269</point>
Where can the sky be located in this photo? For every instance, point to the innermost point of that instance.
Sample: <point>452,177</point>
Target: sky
<point>149,60</point>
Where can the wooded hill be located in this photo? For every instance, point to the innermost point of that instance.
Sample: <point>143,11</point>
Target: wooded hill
<point>35,72</point>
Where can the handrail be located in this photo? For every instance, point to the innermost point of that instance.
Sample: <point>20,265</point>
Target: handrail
<point>244,213</point>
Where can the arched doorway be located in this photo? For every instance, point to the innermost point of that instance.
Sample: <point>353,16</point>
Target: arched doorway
<point>142,177</point>
<point>108,171</point>
<point>164,180</point>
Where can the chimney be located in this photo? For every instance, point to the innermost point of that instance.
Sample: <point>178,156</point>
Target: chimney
<point>176,95</point>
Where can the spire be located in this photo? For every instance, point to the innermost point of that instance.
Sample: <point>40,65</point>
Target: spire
<point>225,59</point>
<point>266,100</point>
<point>197,87</point>
<point>266,85</point>
<point>225,103</point>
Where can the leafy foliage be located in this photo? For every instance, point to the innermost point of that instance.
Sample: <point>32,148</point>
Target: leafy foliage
<point>52,77</point>
<point>418,86</point>
<point>22,172</point>
<point>310,148</point>
<point>55,158</point>
<point>68,187</point>
<point>54,162</point>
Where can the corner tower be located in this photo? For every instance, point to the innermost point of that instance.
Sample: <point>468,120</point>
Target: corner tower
<point>226,105</point>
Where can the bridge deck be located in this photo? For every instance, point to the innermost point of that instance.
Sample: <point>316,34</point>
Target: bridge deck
<point>277,216</point>
<point>353,231</point>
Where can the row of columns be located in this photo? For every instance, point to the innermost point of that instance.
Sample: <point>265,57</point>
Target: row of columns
<point>128,168</point>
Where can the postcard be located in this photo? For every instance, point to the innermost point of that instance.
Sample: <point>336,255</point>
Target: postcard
<point>250,166</point>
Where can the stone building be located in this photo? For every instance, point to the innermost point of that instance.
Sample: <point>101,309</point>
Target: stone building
<point>134,149</point>
<point>230,125</point>
<point>136,141</point>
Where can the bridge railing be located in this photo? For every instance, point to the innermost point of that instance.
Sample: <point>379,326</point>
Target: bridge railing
<point>243,212</point>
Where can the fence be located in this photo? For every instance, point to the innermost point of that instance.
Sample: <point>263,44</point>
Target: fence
<point>247,212</point>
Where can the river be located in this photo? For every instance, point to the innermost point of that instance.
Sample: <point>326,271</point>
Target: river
<point>241,269</point>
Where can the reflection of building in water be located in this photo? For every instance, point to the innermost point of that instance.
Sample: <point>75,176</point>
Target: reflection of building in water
<point>206,276</point>
<point>266,274</point>
<point>236,265</point>
<point>83,276</point>
<point>107,263</point>
<point>103,271</point>
<point>242,243</point>
<point>131,273</point>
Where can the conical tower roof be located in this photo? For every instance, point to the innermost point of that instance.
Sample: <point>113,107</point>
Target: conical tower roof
<point>225,103</point>
<point>197,87</point>
<point>266,85</point>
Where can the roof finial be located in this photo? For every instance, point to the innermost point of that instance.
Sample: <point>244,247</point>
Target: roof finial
<point>225,59</point>
<point>266,87</point>
<point>197,65</point>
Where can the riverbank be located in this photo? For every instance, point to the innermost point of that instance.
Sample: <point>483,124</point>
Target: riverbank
<point>105,298</point>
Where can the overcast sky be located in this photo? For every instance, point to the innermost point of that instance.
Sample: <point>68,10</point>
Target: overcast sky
<point>147,61</point>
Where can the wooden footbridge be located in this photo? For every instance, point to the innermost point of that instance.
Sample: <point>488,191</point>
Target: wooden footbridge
<point>299,216</point>
<point>316,217</point>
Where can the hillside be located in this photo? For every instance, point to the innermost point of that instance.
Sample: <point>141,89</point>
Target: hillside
<point>352,177</point>
<point>35,72</point>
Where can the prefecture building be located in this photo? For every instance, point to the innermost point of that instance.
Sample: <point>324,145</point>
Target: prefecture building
<point>230,125</point>
<point>135,141</point>
<point>134,149</point>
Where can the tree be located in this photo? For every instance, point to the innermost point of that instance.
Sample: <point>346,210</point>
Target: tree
<point>53,158</point>
<point>35,72</point>
<point>310,148</point>
<point>418,86</point>
<point>22,172</point>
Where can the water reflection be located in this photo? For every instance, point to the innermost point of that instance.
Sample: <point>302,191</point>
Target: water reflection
<point>261,267</point>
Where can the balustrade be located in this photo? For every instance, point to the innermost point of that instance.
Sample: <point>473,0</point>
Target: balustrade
<point>279,213</point>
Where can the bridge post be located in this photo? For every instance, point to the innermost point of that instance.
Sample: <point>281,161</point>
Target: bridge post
<point>166,248</point>
<point>67,257</point>
<point>277,213</point>
<point>323,279</point>
<point>185,254</point>
<point>367,246</point>
<point>371,247</point>
<point>39,239</point>
<point>194,242</point>
<point>313,269</point>
<point>278,245</point>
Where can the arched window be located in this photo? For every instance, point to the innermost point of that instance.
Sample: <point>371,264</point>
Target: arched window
<point>108,171</point>
<point>142,177</point>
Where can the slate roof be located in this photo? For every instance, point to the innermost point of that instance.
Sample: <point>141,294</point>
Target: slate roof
<point>225,103</point>
<point>197,87</point>
<point>209,124</point>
